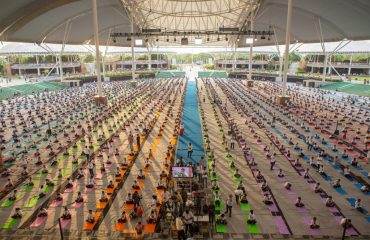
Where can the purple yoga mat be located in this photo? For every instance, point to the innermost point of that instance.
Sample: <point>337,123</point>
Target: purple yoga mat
<point>280,224</point>
<point>38,222</point>
<point>273,207</point>
<point>307,220</point>
<point>350,231</point>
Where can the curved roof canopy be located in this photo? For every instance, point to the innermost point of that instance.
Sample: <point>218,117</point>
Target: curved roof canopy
<point>53,21</point>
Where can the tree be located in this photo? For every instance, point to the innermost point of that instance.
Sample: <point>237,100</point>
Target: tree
<point>89,59</point>
<point>293,57</point>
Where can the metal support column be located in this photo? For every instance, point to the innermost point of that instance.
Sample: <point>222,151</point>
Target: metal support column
<point>251,47</point>
<point>97,52</point>
<point>350,65</point>
<point>133,68</point>
<point>38,67</point>
<point>287,41</point>
<point>150,59</point>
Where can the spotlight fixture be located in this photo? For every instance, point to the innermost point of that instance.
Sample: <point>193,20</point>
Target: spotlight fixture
<point>157,40</point>
<point>218,39</point>
<point>226,38</point>
<point>138,42</point>
<point>249,40</point>
<point>198,40</point>
<point>146,40</point>
<point>208,39</point>
<point>114,40</point>
<point>269,38</point>
<point>263,37</point>
<point>174,39</point>
<point>167,40</point>
<point>128,39</point>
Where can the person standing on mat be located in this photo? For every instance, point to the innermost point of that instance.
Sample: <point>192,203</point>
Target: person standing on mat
<point>188,220</point>
<point>139,230</point>
<point>131,141</point>
<point>229,204</point>
<point>138,140</point>
<point>211,213</point>
<point>180,228</point>
<point>190,150</point>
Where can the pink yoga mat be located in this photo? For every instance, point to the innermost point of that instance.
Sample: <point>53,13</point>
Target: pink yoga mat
<point>101,175</point>
<point>69,190</point>
<point>90,189</point>
<point>77,205</point>
<point>56,203</point>
<point>65,223</point>
<point>38,222</point>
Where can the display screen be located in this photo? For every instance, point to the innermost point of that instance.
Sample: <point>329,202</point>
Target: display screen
<point>182,172</point>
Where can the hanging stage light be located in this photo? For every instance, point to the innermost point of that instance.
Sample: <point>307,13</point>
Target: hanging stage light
<point>198,41</point>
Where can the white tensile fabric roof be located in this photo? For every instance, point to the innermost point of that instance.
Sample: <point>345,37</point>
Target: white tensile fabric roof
<point>52,21</point>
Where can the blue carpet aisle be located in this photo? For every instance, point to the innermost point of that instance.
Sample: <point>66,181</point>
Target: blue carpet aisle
<point>193,130</point>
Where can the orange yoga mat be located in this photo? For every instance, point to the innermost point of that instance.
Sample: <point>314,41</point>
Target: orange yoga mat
<point>90,226</point>
<point>149,228</point>
<point>128,207</point>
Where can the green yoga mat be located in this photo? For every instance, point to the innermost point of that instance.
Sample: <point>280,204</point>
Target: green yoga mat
<point>48,188</point>
<point>27,188</point>
<point>42,175</point>
<point>66,172</point>
<point>11,222</point>
<point>245,207</point>
<point>32,202</point>
<point>7,203</point>
<point>221,228</point>
<point>213,178</point>
<point>220,207</point>
<point>252,228</point>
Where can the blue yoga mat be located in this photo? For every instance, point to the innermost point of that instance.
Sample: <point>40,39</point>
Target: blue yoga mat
<point>193,131</point>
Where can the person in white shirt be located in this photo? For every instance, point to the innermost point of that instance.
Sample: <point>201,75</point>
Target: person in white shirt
<point>90,217</point>
<point>190,150</point>
<point>251,218</point>
<point>238,194</point>
<point>188,220</point>
<point>180,228</point>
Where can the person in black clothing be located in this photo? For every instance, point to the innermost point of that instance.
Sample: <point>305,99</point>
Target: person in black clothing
<point>211,213</point>
<point>138,140</point>
<point>136,197</point>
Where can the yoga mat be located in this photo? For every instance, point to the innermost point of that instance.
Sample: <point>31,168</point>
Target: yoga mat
<point>221,228</point>
<point>56,203</point>
<point>280,224</point>
<point>149,228</point>
<point>10,223</point>
<point>341,191</point>
<point>27,188</point>
<point>253,228</point>
<point>219,208</point>
<point>245,207</point>
<point>7,203</point>
<point>273,207</point>
<point>77,205</point>
<point>38,222</point>
<point>119,226</point>
<point>32,202</point>
<point>65,223</point>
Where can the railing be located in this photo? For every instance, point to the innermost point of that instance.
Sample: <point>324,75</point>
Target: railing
<point>43,65</point>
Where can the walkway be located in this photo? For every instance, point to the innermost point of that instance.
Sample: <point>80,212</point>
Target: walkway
<point>191,121</point>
